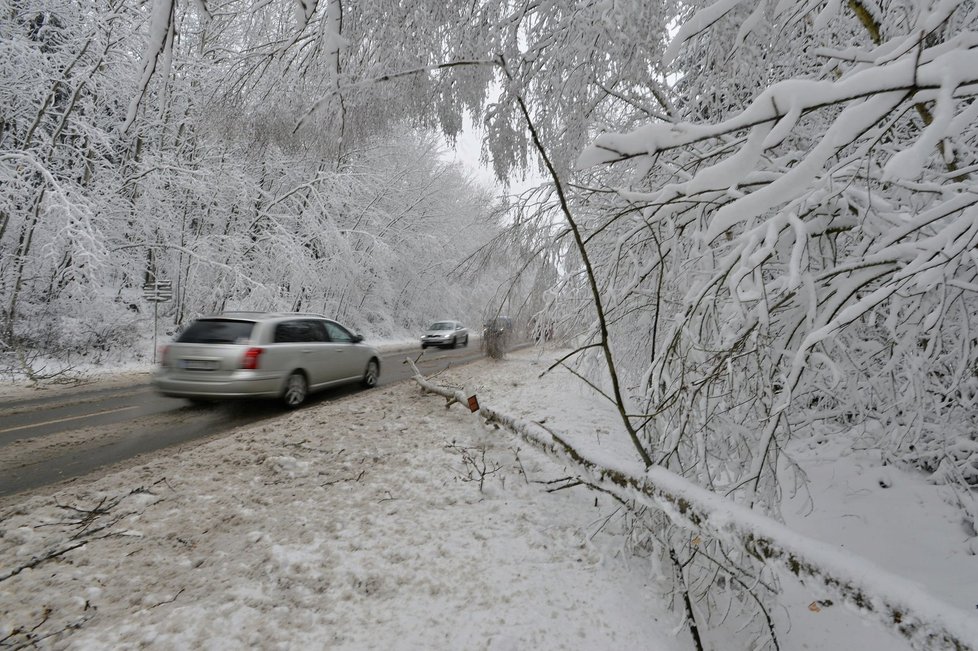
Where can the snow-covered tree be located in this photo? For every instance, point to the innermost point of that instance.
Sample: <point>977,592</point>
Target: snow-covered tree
<point>817,239</point>
<point>792,251</point>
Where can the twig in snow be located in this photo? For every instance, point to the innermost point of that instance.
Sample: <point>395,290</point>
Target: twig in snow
<point>169,601</point>
<point>519,462</point>
<point>344,479</point>
<point>560,488</point>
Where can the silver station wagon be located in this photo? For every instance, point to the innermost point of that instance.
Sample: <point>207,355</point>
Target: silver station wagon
<point>265,355</point>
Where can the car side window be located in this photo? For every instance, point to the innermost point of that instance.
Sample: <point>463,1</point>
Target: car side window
<point>338,333</point>
<point>317,331</point>
<point>290,332</point>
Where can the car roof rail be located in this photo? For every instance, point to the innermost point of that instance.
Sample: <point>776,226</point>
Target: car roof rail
<point>312,314</point>
<point>268,314</point>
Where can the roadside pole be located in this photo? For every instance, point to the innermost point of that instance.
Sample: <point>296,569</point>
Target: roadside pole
<point>157,292</point>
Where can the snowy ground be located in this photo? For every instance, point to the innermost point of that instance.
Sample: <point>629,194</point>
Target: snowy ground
<point>361,523</point>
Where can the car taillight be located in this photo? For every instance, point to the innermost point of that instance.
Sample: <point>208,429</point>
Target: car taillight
<point>250,360</point>
<point>162,355</point>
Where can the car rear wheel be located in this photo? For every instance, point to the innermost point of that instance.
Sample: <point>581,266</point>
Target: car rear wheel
<point>296,390</point>
<point>372,374</point>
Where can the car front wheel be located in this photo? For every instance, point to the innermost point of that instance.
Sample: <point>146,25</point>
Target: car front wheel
<point>296,390</point>
<point>372,374</point>
<point>466,342</point>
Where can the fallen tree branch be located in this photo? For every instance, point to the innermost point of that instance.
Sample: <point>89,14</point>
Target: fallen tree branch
<point>896,603</point>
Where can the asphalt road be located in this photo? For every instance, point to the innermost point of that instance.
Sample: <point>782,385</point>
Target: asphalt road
<point>56,438</point>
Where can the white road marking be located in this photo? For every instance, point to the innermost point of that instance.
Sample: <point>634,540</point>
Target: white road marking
<point>62,420</point>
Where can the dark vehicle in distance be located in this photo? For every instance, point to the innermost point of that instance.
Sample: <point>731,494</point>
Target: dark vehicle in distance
<point>446,333</point>
<point>499,325</point>
<point>264,355</point>
<point>497,336</point>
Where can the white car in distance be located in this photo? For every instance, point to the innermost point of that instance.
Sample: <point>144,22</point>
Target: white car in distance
<point>445,334</point>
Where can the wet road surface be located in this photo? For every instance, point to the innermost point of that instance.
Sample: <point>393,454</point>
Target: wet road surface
<point>74,432</point>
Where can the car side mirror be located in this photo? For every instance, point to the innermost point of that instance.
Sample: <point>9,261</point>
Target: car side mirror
<point>357,338</point>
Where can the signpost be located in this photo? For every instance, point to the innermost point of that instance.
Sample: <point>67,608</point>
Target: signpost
<point>157,292</point>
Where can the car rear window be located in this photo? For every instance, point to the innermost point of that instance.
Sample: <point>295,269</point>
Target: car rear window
<point>217,331</point>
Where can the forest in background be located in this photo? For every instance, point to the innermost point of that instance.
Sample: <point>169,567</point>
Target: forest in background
<point>202,183</point>
<point>759,221</point>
